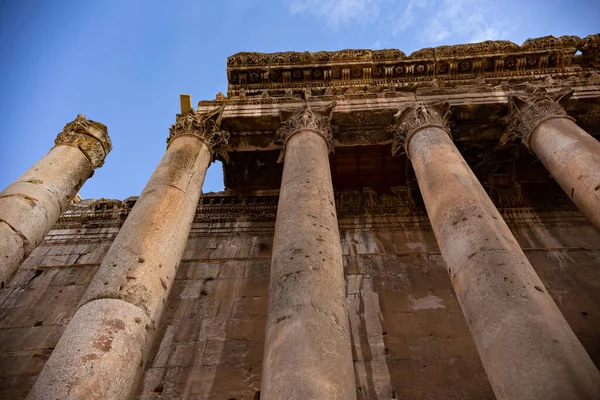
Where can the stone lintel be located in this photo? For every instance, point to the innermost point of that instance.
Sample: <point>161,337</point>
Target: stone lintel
<point>89,136</point>
<point>363,118</point>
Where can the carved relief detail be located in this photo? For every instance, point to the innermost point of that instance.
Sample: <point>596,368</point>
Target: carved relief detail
<point>529,109</point>
<point>411,118</point>
<point>205,126</point>
<point>452,64</point>
<point>590,49</point>
<point>89,136</point>
<point>316,119</point>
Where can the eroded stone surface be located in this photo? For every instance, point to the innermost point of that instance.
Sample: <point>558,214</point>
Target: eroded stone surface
<point>210,341</point>
<point>32,204</point>
<point>572,156</point>
<point>96,353</point>
<point>497,287</point>
<point>141,264</point>
<point>409,337</point>
<point>11,251</point>
<point>90,137</point>
<point>307,345</point>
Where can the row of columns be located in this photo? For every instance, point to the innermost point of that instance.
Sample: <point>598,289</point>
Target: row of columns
<point>568,152</point>
<point>103,350</point>
<point>526,346</point>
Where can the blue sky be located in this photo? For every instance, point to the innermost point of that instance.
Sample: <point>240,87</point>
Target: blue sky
<point>124,63</point>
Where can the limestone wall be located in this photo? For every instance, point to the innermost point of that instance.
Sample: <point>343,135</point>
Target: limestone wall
<point>410,338</point>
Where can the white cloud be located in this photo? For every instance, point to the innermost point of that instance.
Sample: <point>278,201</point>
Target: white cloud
<point>433,22</point>
<point>403,13</point>
<point>337,12</point>
<point>464,20</point>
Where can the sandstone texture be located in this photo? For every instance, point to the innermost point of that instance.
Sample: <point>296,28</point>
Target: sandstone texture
<point>31,205</point>
<point>138,269</point>
<point>572,156</point>
<point>495,284</point>
<point>409,336</point>
<point>393,226</point>
<point>307,347</point>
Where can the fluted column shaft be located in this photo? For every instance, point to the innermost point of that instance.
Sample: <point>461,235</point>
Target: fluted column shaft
<point>31,205</point>
<point>568,152</point>
<point>103,350</point>
<point>526,346</point>
<point>308,351</point>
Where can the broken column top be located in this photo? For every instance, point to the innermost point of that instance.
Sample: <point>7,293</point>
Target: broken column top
<point>91,137</point>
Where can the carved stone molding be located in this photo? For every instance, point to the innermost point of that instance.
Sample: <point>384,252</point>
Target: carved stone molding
<point>89,136</point>
<point>316,119</point>
<point>527,110</point>
<point>204,126</point>
<point>590,50</point>
<point>419,115</point>
<point>251,74</point>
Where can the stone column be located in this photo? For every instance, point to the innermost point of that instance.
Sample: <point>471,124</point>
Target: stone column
<point>31,205</point>
<point>102,352</point>
<point>308,352</point>
<point>526,346</point>
<point>568,152</point>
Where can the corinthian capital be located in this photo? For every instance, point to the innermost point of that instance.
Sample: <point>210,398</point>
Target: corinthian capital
<point>527,110</point>
<point>410,119</point>
<point>204,126</point>
<point>89,136</point>
<point>316,119</point>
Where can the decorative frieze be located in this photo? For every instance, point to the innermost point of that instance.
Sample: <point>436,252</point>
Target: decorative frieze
<point>89,136</point>
<point>419,115</point>
<point>316,119</point>
<point>527,110</point>
<point>590,50</point>
<point>205,126</point>
<point>274,72</point>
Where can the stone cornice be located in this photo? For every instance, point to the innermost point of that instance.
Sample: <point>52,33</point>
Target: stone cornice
<point>272,74</point>
<point>313,118</point>
<point>414,117</point>
<point>205,126</point>
<point>89,136</point>
<point>530,108</point>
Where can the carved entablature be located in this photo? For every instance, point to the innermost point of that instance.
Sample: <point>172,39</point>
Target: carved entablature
<point>316,119</point>
<point>257,73</point>
<point>527,110</point>
<point>205,126</point>
<point>419,115</point>
<point>89,136</point>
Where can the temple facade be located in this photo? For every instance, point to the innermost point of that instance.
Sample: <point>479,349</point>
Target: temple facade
<point>392,227</point>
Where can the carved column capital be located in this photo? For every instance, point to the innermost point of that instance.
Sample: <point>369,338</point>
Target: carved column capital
<point>529,109</point>
<point>204,126</point>
<point>315,119</point>
<point>89,136</point>
<point>414,117</point>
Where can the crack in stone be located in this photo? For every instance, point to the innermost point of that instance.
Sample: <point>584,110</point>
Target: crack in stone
<point>25,242</point>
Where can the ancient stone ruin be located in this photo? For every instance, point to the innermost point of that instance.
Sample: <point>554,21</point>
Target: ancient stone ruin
<point>392,227</point>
